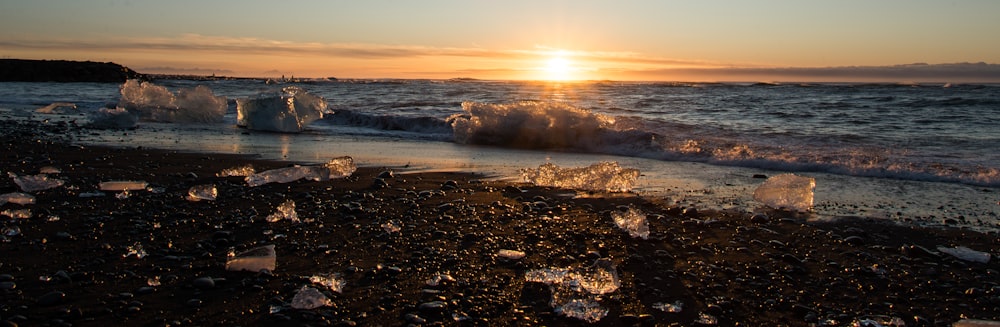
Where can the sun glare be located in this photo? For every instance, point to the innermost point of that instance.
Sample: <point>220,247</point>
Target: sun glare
<point>558,67</point>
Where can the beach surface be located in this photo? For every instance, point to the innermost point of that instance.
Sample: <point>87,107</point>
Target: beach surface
<point>444,248</point>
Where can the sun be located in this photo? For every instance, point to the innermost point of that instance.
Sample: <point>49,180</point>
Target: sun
<point>558,67</point>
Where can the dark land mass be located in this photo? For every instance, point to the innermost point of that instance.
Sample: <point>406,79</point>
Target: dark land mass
<point>22,70</point>
<point>74,261</point>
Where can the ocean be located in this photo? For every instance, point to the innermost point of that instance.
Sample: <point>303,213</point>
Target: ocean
<point>915,153</point>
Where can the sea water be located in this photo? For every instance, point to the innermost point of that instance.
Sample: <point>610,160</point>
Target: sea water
<point>922,153</point>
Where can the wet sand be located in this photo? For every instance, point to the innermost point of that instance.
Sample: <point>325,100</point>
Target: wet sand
<point>73,262</point>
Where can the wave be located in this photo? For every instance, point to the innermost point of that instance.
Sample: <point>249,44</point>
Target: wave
<point>419,124</point>
<point>561,127</point>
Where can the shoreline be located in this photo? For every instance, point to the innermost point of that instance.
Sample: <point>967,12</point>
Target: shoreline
<point>71,262</point>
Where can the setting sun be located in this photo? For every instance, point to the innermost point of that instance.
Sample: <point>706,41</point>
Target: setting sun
<point>559,67</point>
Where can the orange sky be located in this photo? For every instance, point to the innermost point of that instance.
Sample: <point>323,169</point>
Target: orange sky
<point>635,40</point>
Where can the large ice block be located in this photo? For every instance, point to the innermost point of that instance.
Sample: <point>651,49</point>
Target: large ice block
<point>787,191</point>
<point>288,110</point>
<point>603,176</point>
<point>255,260</point>
<point>339,167</point>
<point>156,103</point>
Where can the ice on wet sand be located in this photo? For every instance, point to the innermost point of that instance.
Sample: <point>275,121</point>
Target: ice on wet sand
<point>202,192</point>
<point>575,291</point>
<point>603,176</point>
<point>17,198</point>
<point>331,282</point>
<point>288,110</point>
<point>788,191</point>
<point>308,298</point>
<point>122,186</point>
<point>966,254</point>
<point>632,221</point>
<point>336,168</point>
<point>285,210</point>
<point>238,171</point>
<point>255,260</point>
<point>33,183</point>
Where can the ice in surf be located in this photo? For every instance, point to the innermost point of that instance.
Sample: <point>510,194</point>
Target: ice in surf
<point>288,110</point>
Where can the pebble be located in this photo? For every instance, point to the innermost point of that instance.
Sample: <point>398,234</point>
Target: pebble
<point>203,282</point>
<point>7,286</point>
<point>194,303</point>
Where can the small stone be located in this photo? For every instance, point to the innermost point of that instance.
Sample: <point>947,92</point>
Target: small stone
<point>433,306</point>
<point>203,282</point>
<point>854,240</point>
<point>7,286</point>
<point>194,303</point>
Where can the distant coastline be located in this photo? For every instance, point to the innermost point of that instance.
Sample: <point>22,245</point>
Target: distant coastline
<point>25,70</point>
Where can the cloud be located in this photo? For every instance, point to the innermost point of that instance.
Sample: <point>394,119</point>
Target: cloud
<point>242,46</point>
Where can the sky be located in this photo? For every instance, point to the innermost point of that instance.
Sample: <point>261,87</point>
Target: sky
<point>663,40</point>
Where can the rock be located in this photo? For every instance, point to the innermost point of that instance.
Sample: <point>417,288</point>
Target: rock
<point>19,70</point>
<point>203,282</point>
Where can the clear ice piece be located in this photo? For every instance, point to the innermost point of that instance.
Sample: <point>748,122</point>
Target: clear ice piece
<point>57,108</point>
<point>240,171</point>
<point>575,291</point>
<point>976,323</point>
<point>331,281</point>
<point>675,307</point>
<point>32,183</point>
<point>113,118</point>
<point>135,250</point>
<point>632,221</point>
<point>17,214</point>
<point>966,254</point>
<point>156,103</point>
<point>288,110</point>
<point>254,260</point>
<point>308,298</point>
<point>17,198</point>
<point>603,176</point>
<point>440,278</point>
<point>286,210</point>
<point>202,192</point>
<point>122,186</point>
<point>788,191</point>
<point>339,167</point>
<point>583,309</point>
<point>510,254</point>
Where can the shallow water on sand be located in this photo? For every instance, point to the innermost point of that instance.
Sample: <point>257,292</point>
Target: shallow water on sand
<point>693,184</point>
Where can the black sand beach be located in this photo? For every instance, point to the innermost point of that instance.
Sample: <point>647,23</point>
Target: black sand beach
<point>74,261</point>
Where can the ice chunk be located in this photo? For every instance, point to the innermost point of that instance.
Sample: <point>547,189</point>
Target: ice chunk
<point>202,192</point>
<point>602,176</point>
<point>575,291</point>
<point>675,307</point>
<point>331,281</point>
<point>510,254</point>
<point>706,319</point>
<point>56,107</point>
<point>156,103</point>
<point>285,211</point>
<point>337,168</point>
<point>135,250</point>
<point>440,278</point>
<point>308,298</point>
<point>17,214</point>
<point>632,221</point>
<point>122,186</point>
<point>966,254</point>
<point>17,198</point>
<point>391,226</point>
<point>32,183</point>
<point>255,260</point>
<point>583,309</point>
<point>117,118</point>
<point>287,110</point>
<point>787,191</point>
<point>242,171</point>
<point>12,231</point>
